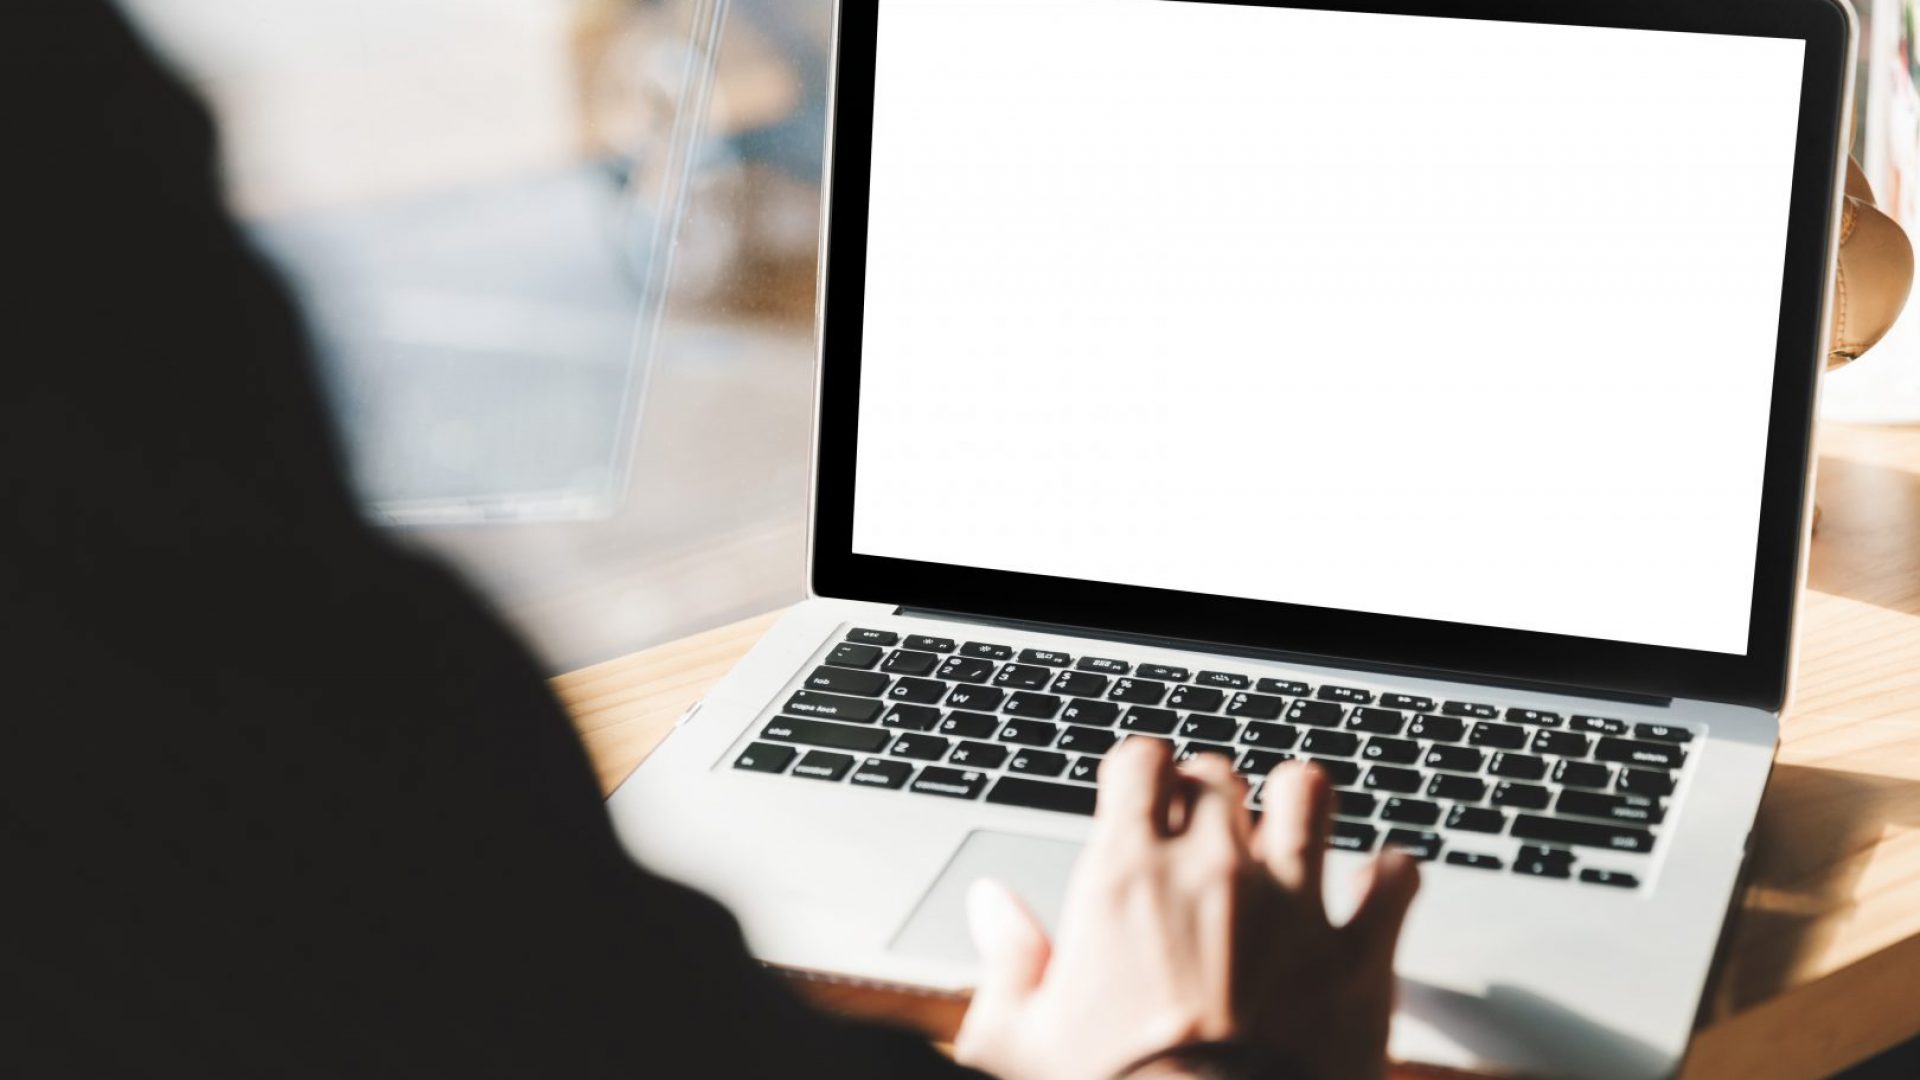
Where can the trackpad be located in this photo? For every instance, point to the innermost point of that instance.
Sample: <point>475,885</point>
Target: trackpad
<point>1034,867</point>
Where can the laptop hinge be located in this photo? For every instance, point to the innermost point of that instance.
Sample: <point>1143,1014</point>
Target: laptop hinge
<point>1316,659</point>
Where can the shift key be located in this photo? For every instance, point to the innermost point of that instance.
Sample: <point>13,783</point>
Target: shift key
<point>787,729</point>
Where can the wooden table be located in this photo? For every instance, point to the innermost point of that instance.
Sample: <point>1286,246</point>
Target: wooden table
<point>1822,962</point>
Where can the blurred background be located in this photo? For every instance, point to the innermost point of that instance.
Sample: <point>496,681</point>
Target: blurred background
<point>559,258</point>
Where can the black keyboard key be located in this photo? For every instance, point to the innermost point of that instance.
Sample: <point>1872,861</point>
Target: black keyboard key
<point>1409,702</point>
<point>918,691</point>
<point>1104,666</point>
<point>920,747</point>
<point>1150,721</point>
<point>1086,769</point>
<point>1029,732</point>
<point>1255,706</point>
<point>1633,809</point>
<point>1468,708</point>
<point>1196,698</point>
<point>1270,736</point>
<point>1644,782</point>
<point>1662,733</point>
<point>1581,833</point>
<point>879,772</point>
<point>1352,836</point>
<point>1457,788</point>
<point>1474,859</point>
<point>847,654</point>
<point>1087,740</point>
<point>1584,774</point>
<point>765,757</point>
<point>1534,717</point>
<point>847,681</point>
<point>1616,878</point>
<point>968,725</point>
<point>1437,728</point>
<point>1346,694</point>
<point>1038,763</point>
<point>1036,706</point>
<point>1422,845</point>
<point>985,651</point>
<point>1455,758</point>
<point>1023,677</point>
<point>1341,773</point>
<point>1550,868</point>
<point>1138,691</point>
<point>1331,743</point>
<point>1226,680</point>
<point>977,698</point>
<point>1283,686</point>
<point>1162,671</point>
<point>1316,713</point>
<point>1377,721</point>
<point>1096,713</point>
<point>911,718</point>
<point>1476,819</point>
<point>1040,795</point>
<point>1189,751</point>
<point>1210,728</point>
<point>929,644</point>
<point>1410,811</point>
<point>788,729</point>
<point>873,637</point>
<point>823,765</point>
<point>953,783</point>
<point>1388,778</point>
<point>1048,657</point>
<point>1391,751</point>
<point>1598,725</point>
<point>1080,684</point>
<point>1262,762</point>
<point>1570,744</point>
<point>978,755</point>
<point>833,706</point>
<point>1641,754</point>
<point>1354,804</point>
<point>1518,767</point>
<point>966,669</point>
<point>1521,796</point>
<point>1498,736</point>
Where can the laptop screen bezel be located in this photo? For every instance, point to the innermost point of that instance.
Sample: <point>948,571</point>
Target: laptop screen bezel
<point>1758,678</point>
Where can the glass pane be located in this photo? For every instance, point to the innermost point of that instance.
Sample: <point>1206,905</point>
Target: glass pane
<point>558,257</point>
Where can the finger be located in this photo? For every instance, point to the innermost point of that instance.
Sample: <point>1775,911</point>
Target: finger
<point>1392,880</point>
<point>1135,783</point>
<point>1219,798</point>
<point>1296,815</point>
<point>1012,944</point>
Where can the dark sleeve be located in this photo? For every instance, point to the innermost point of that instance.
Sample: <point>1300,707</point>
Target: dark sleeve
<point>278,799</point>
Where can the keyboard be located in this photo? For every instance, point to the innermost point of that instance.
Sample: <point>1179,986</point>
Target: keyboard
<point>1028,728</point>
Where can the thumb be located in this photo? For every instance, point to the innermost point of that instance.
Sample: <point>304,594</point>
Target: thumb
<point>1392,880</point>
<point>1012,944</point>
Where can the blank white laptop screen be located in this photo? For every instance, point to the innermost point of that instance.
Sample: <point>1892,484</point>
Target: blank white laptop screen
<point>1456,320</point>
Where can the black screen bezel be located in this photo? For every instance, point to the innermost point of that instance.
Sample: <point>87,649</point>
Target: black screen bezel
<point>1758,678</point>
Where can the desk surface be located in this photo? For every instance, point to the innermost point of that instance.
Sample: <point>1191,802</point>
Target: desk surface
<point>1822,961</point>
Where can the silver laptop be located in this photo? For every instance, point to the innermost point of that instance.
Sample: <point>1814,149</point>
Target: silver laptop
<point>1427,393</point>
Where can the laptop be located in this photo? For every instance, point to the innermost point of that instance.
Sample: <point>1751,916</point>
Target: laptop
<point>1425,390</point>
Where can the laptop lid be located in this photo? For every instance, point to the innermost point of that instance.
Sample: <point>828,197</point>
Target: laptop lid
<point>1477,336</point>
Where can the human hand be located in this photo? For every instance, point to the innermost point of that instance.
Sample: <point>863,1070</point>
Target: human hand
<point>1185,923</point>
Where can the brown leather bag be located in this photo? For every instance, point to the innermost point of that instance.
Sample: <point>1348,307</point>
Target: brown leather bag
<point>1874,275</point>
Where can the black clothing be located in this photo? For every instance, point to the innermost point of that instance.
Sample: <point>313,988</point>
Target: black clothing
<point>278,799</point>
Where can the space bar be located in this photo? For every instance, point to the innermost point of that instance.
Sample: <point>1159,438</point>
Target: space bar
<point>1014,791</point>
